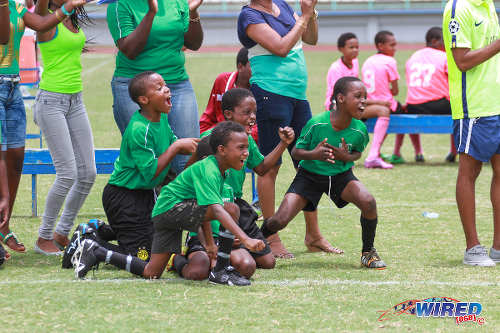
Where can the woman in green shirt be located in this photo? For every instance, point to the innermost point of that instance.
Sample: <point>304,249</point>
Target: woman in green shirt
<point>150,36</point>
<point>60,113</point>
<point>12,112</point>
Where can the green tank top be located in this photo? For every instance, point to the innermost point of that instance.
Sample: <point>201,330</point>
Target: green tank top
<point>61,59</point>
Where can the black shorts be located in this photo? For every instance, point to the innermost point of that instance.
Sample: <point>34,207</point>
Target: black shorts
<point>312,186</point>
<point>247,223</point>
<point>186,215</point>
<point>129,215</point>
<point>440,106</point>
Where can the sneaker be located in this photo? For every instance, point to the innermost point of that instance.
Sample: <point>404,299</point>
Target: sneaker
<point>419,158</point>
<point>495,255</point>
<point>229,276</point>
<point>385,157</point>
<point>377,163</point>
<point>477,256</point>
<point>81,232</point>
<point>372,260</point>
<point>84,258</point>
<point>451,157</point>
<point>395,159</point>
<point>96,223</point>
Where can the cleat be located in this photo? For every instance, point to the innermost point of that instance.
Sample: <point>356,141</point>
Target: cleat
<point>419,158</point>
<point>478,256</point>
<point>495,255</point>
<point>395,159</point>
<point>372,260</point>
<point>84,258</point>
<point>228,276</point>
<point>96,223</point>
<point>450,158</point>
<point>170,264</point>
<point>377,163</point>
<point>385,157</point>
<point>82,232</point>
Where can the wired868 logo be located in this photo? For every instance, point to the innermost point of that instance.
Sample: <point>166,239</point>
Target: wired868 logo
<point>442,307</point>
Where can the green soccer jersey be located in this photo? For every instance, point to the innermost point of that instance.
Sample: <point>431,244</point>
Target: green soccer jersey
<point>202,181</point>
<point>163,50</point>
<point>317,129</point>
<point>236,178</point>
<point>9,53</point>
<point>142,143</point>
<point>227,196</point>
<point>472,24</point>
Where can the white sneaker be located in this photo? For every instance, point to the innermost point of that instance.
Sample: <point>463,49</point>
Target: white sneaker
<point>478,256</point>
<point>495,255</point>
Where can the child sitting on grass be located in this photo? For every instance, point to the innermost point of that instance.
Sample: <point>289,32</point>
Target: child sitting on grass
<point>189,202</point>
<point>238,105</point>
<point>327,147</point>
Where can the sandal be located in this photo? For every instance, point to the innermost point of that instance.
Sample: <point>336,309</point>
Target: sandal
<point>19,247</point>
<point>319,246</point>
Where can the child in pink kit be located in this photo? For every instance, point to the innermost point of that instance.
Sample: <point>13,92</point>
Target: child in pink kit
<point>380,76</point>
<point>427,81</point>
<point>348,65</point>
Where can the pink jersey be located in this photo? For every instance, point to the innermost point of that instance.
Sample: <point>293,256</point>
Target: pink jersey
<point>427,76</point>
<point>378,71</point>
<point>337,70</point>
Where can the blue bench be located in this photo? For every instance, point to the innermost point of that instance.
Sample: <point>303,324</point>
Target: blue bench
<point>414,123</point>
<point>39,162</point>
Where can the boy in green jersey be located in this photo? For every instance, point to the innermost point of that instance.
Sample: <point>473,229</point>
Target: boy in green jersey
<point>327,147</point>
<point>189,202</point>
<point>238,105</point>
<point>147,149</point>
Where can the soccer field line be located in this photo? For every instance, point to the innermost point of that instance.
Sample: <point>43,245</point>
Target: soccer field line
<point>281,283</point>
<point>96,67</point>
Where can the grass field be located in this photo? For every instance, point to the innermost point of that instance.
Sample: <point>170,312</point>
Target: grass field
<point>314,292</point>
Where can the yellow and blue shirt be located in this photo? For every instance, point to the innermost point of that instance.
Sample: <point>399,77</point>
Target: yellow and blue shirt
<point>472,24</point>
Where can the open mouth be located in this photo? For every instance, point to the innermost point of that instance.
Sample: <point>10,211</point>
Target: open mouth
<point>168,101</point>
<point>249,127</point>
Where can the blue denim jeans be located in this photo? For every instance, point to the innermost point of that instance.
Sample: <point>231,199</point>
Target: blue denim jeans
<point>183,118</point>
<point>12,115</point>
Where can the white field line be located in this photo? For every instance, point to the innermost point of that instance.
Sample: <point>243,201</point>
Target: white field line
<point>96,67</point>
<point>281,283</point>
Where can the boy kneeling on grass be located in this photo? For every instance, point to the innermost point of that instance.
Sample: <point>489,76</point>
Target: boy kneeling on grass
<point>238,105</point>
<point>189,202</point>
<point>327,147</point>
<point>148,146</point>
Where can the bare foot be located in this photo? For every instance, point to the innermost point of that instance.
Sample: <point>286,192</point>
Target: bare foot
<point>321,245</point>
<point>60,241</point>
<point>47,245</point>
<point>277,247</point>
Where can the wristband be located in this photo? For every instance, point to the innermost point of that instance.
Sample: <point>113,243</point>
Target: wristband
<point>59,18</point>
<point>194,20</point>
<point>65,12</point>
<point>4,4</point>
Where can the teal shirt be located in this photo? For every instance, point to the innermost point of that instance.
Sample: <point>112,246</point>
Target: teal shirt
<point>317,129</point>
<point>202,181</point>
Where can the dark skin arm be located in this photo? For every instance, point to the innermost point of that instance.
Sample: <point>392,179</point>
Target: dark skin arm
<point>193,38</point>
<point>322,152</point>
<point>207,239</point>
<point>287,136</point>
<point>45,23</point>
<point>4,22</point>
<point>269,39</point>
<point>132,45</point>
<point>467,59</point>
<point>394,88</point>
<point>182,146</point>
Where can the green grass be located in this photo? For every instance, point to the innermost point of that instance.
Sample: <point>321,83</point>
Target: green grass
<point>314,292</point>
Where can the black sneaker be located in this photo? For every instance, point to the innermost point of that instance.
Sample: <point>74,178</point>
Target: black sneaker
<point>372,260</point>
<point>95,223</point>
<point>2,254</point>
<point>84,258</point>
<point>82,232</point>
<point>419,158</point>
<point>229,276</point>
